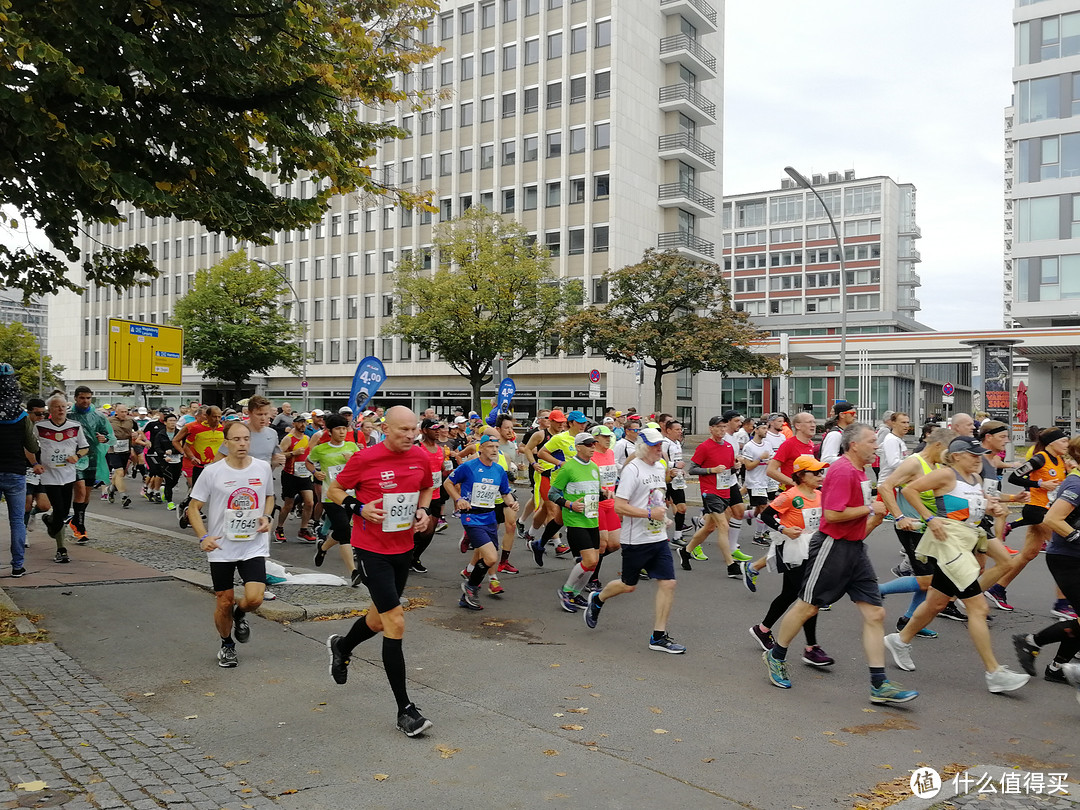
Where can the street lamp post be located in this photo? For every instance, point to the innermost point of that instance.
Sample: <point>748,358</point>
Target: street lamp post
<point>802,181</point>
<point>281,274</point>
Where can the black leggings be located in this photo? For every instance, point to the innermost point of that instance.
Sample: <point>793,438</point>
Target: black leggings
<point>1066,572</point>
<point>788,595</point>
<point>1030,516</point>
<point>59,496</point>
<point>170,478</point>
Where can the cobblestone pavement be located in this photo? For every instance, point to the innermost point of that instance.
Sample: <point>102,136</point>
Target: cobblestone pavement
<point>94,750</point>
<point>1020,801</point>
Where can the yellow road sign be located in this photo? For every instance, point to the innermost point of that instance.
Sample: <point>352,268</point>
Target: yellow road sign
<point>145,353</point>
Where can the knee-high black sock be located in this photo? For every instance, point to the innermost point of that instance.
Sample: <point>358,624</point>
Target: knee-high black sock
<point>80,515</point>
<point>550,531</point>
<point>394,663</point>
<point>358,634</point>
<point>478,573</point>
<point>420,544</point>
<point>680,521</point>
<point>596,571</point>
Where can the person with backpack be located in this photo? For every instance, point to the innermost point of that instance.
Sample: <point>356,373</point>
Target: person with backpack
<point>845,414</point>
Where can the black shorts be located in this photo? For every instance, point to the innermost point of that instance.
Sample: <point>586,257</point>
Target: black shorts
<point>1033,515</point>
<point>32,489</point>
<point>942,583</point>
<point>838,567</point>
<point>117,461</point>
<point>153,468</point>
<point>654,558</point>
<point>500,514</point>
<point>580,537</point>
<point>676,496</point>
<point>340,523</point>
<point>293,485</point>
<point>734,497</point>
<point>758,500</point>
<point>384,575</point>
<point>908,542</point>
<point>250,570</point>
<point>87,476</point>
<point>713,504</point>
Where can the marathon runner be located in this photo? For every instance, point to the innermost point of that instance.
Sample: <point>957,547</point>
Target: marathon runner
<point>92,467</point>
<point>63,442</point>
<point>575,488</point>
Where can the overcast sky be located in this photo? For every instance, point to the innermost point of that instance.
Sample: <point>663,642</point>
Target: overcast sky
<point>915,91</point>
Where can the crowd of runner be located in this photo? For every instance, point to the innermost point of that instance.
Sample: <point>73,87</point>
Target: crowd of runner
<point>381,485</point>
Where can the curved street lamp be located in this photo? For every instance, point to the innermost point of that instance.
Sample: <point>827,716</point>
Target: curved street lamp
<point>281,274</point>
<point>804,183</point>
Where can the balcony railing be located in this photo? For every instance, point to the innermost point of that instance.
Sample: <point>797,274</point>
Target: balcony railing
<point>684,92</point>
<point>683,42</point>
<point>910,278</point>
<point>703,8</point>
<point>670,191</point>
<point>684,140</point>
<point>909,255</point>
<point>679,239</point>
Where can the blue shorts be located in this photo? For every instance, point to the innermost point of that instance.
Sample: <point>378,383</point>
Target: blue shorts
<point>654,558</point>
<point>482,534</point>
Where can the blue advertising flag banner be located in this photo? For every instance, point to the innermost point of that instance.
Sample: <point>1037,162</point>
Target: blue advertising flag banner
<point>369,377</point>
<point>507,390</point>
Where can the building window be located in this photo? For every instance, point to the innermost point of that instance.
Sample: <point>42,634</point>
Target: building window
<point>554,194</point>
<point>351,308</point>
<point>350,350</point>
<point>530,148</point>
<point>335,309</point>
<point>862,200</point>
<point>425,169</point>
<point>318,354</point>
<point>577,140</point>
<point>487,63</point>
<point>532,51</point>
<point>554,144</point>
<point>487,109</point>
<point>602,84</point>
<point>554,45</point>
<point>531,100</point>
<point>487,156</point>
<point>602,135</point>
<point>553,243</point>
<point>465,118</point>
<point>508,201</point>
<point>468,21</point>
<point>575,243</point>
<point>487,15</point>
<point>577,90</point>
<point>600,239</point>
<point>446,164</point>
<point>602,189</point>
<point>446,27</point>
<point>446,119</point>
<point>577,190</point>
<point>509,57</point>
<point>369,306</point>
<point>387,352</point>
<point>578,39</point>
<point>603,34</point>
<point>465,161</point>
<point>509,104</point>
<point>335,351</point>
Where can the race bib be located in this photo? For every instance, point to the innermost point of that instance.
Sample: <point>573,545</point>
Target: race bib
<point>991,488</point>
<point>657,501</point>
<point>333,470</point>
<point>725,479</point>
<point>400,509</point>
<point>758,492</point>
<point>609,474</point>
<point>32,478</point>
<point>811,518</point>
<point>58,459</point>
<point>300,470</point>
<point>122,446</point>
<point>174,459</point>
<point>976,508</point>
<point>436,479</point>
<point>592,506</point>
<point>679,481</point>
<point>483,496</point>
<point>866,494</point>
<point>242,524</point>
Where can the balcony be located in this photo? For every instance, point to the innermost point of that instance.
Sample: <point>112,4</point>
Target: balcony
<point>688,197</point>
<point>685,99</point>
<point>688,51</point>
<point>698,12</point>
<point>909,228</point>
<point>909,278</point>
<point>685,147</point>
<point>687,243</point>
<point>909,254</point>
<point>910,304</point>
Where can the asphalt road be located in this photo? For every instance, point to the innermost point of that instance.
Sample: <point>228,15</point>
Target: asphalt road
<point>705,729</point>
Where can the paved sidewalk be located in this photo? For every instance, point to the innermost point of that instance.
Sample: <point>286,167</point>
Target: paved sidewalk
<point>94,750</point>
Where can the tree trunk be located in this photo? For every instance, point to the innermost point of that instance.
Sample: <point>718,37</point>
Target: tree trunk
<point>477,380</point>
<point>658,389</point>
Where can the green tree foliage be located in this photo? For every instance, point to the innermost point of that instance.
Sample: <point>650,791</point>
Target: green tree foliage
<point>673,314</point>
<point>189,110</point>
<point>21,349</point>
<point>492,293</point>
<point>234,322</point>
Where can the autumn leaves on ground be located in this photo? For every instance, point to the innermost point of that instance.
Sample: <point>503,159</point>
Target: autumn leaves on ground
<point>9,635</point>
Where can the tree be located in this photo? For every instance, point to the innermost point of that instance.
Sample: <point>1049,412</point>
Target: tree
<point>673,314</point>
<point>189,110</point>
<point>492,293</point>
<point>234,322</point>
<point>36,374</point>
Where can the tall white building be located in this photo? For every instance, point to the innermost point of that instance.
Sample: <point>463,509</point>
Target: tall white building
<point>596,124</point>
<point>1042,165</point>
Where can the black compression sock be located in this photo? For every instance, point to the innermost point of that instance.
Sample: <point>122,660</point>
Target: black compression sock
<point>394,663</point>
<point>478,573</point>
<point>358,634</point>
<point>550,531</point>
<point>877,676</point>
<point>80,515</point>
<point>680,521</point>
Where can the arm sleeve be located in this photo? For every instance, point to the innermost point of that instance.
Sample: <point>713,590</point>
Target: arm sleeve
<point>771,518</point>
<point>1021,475</point>
<point>696,461</point>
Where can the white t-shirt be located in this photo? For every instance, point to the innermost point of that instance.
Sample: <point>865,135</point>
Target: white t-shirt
<point>830,446</point>
<point>742,436</point>
<point>642,485</point>
<point>774,440</point>
<point>733,440</point>
<point>235,499</point>
<point>624,448</point>
<point>892,451</point>
<point>57,445</point>
<point>757,482</point>
<point>673,454</point>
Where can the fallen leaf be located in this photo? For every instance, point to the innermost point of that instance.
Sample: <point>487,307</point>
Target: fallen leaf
<point>288,792</point>
<point>886,767</point>
<point>208,694</point>
<point>551,752</point>
<point>579,710</point>
<point>639,679</point>
<point>798,738</point>
<point>916,750</point>
<point>829,733</point>
<point>572,727</point>
<point>192,717</point>
<point>555,665</point>
<point>659,731</point>
<point>31,786</point>
<point>314,771</point>
<point>655,710</point>
<point>1014,741</point>
<point>677,739</point>
<point>594,694</point>
<point>709,759</point>
<point>585,685</point>
<point>591,742</point>
<point>446,751</point>
<point>872,711</point>
<point>559,714</point>
<point>559,774</point>
<point>323,703</point>
<point>593,749</point>
<point>381,777</point>
<point>148,694</point>
<point>85,744</point>
<point>185,681</point>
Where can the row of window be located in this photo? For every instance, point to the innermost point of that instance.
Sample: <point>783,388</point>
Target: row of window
<point>792,258</point>
<point>467,17</point>
<point>1047,278</point>
<point>854,227</point>
<point>1048,158</point>
<point>851,201</point>
<point>1056,217</point>
<point>1048,38</point>
<point>794,281</point>
<point>1048,98</point>
<point>862,302</point>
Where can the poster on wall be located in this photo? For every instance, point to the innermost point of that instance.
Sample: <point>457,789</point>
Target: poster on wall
<point>997,382</point>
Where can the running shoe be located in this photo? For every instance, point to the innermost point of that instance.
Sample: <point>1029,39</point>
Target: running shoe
<point>469,599</point>
<point>17,572</point>
<point>465,574</point>
<point>1054,675</point>
<point>997,596</point>
<point>125,503</point>
<point>107,496</point>
<point>581,601</point>
<point>816,657</point>
<point>699,554</point>
<point>1026,653</point>
<point>566,601</point>
<point>440,527</point>
<point>279,535</point>
<point>463,546</point>
<point>685,556</point>
<point>61,556</point>
<point>1063,610</point>
<point>592,611</point>
<point>666,643</point>
<point>678,541</point>
<point>226,656</point>
<point>900,651</point>
<point>240,628</point>
<point>761,540</point>
<point>902,569</point>
<point>170,506</point>
<point>411,723</point>
<point>594,586</point>
<point>306,535</point>
<point>926,632</point>
<point>494,587</point>
<point>355,578</point>
<point>418,567</point>
<point>740,556</point>
<point>1005,680</point>
<point>320,555</point>
<point>561,548</point>
<point>749,577</point>
<point>1011,550</point>
<point>79,534</point>
<point>537,549</point>
<point>734,571</point>
<point>777,671</point>
<point>339,664</point>
<point>890,692</point>
<point>506,567</point>
<point>764,639</point>
<point>951,611</point>
<point>519,530</point>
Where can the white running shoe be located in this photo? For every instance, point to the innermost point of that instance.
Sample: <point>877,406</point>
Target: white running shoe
<point>901,652</point>
<point>1005,680</point>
